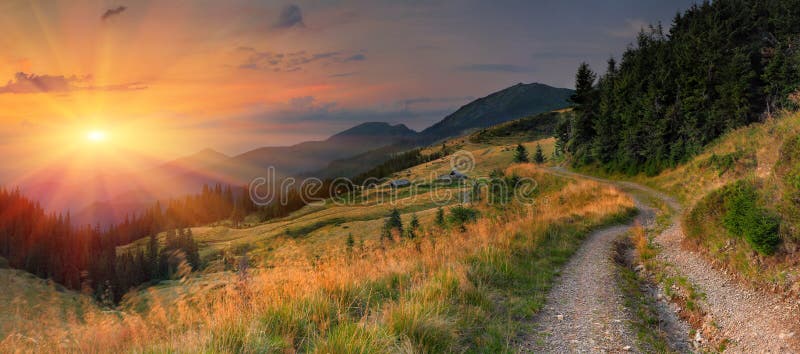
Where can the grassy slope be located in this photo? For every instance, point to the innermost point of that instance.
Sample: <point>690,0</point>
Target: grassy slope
<point>525,129</point>
<point>746,153</point>
<point>446,290</point>
<point>459,291</point>
<point>25,297</point>
<point>326,226</point>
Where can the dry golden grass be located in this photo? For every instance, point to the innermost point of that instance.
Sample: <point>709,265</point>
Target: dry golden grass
<point>692,180</point>
<point>362,216</point>
<point>332,301</point>
<point>24,297</point>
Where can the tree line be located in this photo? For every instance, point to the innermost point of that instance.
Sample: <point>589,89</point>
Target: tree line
<point>85,257</point>
<point>722,65</point>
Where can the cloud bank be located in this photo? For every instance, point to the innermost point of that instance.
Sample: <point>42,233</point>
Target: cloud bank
<point>293,61</point>
<point>31,83</point>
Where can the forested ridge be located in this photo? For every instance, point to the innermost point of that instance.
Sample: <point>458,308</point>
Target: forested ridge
<point>85,257</point>
<point>720,66</point>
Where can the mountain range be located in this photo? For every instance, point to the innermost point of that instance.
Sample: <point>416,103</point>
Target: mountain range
<point>344,154</point>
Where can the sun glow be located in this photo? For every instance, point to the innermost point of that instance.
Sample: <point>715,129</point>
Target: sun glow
<point>96,136</point>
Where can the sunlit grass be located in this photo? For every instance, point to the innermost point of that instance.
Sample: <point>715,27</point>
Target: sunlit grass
<point>447,290</point>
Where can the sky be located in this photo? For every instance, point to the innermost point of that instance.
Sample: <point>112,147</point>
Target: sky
<point>163,79</point>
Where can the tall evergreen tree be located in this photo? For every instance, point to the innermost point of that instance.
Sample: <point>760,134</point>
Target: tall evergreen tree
<point>395,221</point>
<point>538,157</point>
<point>521,154</point>
<point>440,217</point>
<point>584,98</point>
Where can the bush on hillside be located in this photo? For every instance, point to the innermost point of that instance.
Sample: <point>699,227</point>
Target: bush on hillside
<point>460,215</point>
<point>731,161</point>
<point>787,170</point>
<point>744,217</point>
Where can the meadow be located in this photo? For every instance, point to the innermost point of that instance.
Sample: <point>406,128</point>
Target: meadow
<point>450,288</point>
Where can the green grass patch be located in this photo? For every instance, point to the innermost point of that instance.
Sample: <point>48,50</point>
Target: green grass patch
<point>645,319</point>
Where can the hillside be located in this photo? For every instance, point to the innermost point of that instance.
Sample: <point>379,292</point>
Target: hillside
<point>757,158</point>
<point>303,270</point>
<point>524,129</point>
<point>748,162</point>
<point>514,102</point>
<point>25,297</point>
<point>354,165</point>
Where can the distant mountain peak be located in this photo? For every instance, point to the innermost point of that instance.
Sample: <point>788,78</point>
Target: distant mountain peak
<point>205,156</point>
<point>513,102</point>
<point>210,152</point>
<point>376,129</point>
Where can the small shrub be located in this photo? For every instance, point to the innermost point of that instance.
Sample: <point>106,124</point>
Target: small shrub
<point>726,162</point>
<point>743,216</point>
<point>739,202</point>
<point>762,232</point>
<point>460,215</point>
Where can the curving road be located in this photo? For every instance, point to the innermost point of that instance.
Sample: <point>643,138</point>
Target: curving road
<point>584,311</point>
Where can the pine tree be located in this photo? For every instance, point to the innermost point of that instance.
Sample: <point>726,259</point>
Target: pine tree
<point>521,154</point>
<point>413,226</point>
<point>581,127</point>
<point>538,157</point>
<point>605,126</point>
<point>350,242</point>
<point>395,222</point>
<point>440,217</point>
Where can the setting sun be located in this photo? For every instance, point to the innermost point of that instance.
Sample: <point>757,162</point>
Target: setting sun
<point>96,136</point>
